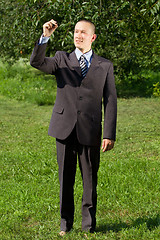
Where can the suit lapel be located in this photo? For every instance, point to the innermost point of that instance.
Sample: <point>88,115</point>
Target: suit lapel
<point>74,63</point>
<point>94,65</point>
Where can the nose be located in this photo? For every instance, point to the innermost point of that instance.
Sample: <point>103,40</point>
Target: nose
<point>78,35</point>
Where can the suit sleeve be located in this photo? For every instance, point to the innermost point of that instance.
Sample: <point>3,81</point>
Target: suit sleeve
<point>110,106</point>
<point>40,61</point>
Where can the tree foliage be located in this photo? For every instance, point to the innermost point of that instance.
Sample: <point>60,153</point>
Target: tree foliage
<point>127,31</point>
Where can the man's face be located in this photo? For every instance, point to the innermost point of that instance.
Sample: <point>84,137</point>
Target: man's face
<point>83,36</point>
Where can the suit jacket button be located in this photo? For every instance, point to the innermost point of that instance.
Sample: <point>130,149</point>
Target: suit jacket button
<point>80,97</point>
<point>79,112</point>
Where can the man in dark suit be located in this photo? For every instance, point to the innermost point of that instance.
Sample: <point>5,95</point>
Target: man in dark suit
<point>84,80</point>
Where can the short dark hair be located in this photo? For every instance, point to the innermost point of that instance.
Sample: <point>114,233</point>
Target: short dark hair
<point>90,22</point>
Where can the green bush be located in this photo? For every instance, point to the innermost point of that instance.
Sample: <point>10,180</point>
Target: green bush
<point>144,84</point>
<point>20,81</point>
<point>156,89</point>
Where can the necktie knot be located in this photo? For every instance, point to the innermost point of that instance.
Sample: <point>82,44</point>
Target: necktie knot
<point>83,65</point>
<point>82,58</point>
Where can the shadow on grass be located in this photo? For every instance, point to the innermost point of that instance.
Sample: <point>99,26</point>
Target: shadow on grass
<point>151,223</point>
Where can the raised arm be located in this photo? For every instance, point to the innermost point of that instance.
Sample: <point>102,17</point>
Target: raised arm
<point>38,58</point>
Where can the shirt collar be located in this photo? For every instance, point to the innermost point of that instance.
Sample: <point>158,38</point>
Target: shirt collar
<point>87,55</point>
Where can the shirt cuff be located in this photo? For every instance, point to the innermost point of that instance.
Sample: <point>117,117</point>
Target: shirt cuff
<point>43,40</point>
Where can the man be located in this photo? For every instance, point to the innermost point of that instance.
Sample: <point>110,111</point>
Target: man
<point>83,81</point>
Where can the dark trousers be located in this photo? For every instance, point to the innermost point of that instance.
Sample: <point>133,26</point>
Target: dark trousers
<point>88,156</point>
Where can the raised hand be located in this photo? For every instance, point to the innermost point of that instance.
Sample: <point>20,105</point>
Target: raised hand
<point>49,28</point>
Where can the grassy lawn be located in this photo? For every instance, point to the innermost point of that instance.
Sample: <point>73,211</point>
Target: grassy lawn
<point>128,184</point>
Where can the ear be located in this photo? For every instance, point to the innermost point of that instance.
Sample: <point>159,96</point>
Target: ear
<point>94,37</point>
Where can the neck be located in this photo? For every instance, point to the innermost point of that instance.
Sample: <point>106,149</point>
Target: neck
<point>84,50</point>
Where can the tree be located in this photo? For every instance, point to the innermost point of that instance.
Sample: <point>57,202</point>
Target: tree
<point>128,31</point>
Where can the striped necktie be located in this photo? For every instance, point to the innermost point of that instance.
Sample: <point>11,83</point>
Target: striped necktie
<point>83,65</point>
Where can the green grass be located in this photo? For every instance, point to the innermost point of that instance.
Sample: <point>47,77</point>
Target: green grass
<point>128,183</point>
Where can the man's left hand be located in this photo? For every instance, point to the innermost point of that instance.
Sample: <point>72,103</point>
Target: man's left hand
<point>107,144</point>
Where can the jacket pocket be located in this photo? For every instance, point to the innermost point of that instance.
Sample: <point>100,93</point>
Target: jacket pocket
<point>58,109</point>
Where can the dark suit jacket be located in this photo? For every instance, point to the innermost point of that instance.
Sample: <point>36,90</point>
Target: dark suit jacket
<point>79,100</point>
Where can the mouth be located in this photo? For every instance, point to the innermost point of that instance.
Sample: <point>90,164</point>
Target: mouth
<point>78,41</point>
